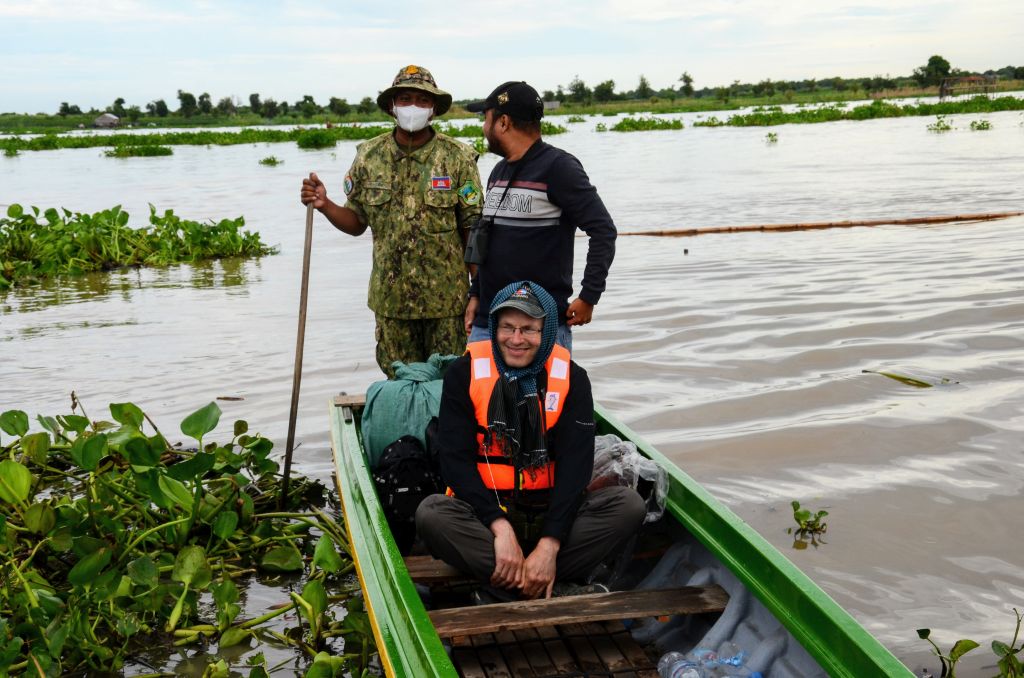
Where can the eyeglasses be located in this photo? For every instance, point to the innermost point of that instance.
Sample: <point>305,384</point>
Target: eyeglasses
<point>528,332</point>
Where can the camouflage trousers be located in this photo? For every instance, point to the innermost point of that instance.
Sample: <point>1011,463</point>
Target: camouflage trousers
<point>412,341</point>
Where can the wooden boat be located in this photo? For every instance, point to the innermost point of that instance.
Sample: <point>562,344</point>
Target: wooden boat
<point>715,581</point>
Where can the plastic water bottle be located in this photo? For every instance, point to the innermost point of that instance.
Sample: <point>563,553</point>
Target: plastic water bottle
<point>676,665</point>
<point>740,672</point>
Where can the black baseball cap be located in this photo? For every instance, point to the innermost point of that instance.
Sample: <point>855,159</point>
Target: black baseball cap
<point>523,299</point>
<point>515,99</point>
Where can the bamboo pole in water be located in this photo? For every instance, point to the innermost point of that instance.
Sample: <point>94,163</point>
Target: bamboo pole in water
<point>680,232</point>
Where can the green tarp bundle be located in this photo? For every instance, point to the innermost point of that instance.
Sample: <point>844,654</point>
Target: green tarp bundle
<point>403,405</point>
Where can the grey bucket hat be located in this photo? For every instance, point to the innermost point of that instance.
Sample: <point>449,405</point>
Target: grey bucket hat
<point>415,77</point>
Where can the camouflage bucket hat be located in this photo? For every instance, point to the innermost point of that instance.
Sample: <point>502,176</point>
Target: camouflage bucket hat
<point>415,77</point>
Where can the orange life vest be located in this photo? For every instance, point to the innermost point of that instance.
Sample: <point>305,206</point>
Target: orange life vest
<point>495,470</point>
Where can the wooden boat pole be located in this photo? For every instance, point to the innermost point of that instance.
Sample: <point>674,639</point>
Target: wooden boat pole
<point>297,373</point>
<point>679,232</point>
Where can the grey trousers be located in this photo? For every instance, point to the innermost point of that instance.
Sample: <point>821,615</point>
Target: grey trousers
<point>606,518</point>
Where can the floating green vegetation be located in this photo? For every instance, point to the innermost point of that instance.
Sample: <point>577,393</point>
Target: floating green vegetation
<point>306,138</point>
<point>34,246</point>
<point>11,152</point>
<point>271,161</point>
<point>1010,665</point>
<point>980,125</point>
<point>600,127</point>
<point>941,124</point>
<point>808,526</point>
<point>112,540</point>
<point>576,118</point>
<point>316,138</point>
<point>774,115</point>
<point>644,124</point>
<point>138,151</point>
<point>480,145</point>
<point>771,138</point>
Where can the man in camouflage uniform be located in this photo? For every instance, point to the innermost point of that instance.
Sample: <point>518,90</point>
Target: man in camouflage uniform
<point>418,191</point>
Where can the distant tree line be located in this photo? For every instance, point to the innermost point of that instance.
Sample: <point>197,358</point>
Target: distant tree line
<point>189,106</point>
<point>577,91</point>
<point>929,75</point>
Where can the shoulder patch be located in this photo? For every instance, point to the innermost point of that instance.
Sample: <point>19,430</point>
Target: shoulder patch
<point>348,184</point>
<point>469,193</point>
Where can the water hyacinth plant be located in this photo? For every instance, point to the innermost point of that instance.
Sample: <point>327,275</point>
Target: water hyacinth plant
<point>141,151</point>
<point>643,124</point>
<point>35,244</point>
<point>113,540</point>
<point>271,161</point>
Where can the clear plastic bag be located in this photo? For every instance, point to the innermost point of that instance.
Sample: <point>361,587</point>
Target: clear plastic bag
<point>617,462</point>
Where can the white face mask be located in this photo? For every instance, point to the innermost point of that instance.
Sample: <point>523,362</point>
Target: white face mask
<point>413,118</point>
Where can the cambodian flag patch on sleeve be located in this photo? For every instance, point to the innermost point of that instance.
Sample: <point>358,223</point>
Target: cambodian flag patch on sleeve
<point>441,183</point>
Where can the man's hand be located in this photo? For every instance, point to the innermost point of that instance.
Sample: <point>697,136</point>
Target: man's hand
<point>471,306</point>
<point>508,556</point>
<point>539,569</point>
<point>579,312</point>
<point>313,191</point>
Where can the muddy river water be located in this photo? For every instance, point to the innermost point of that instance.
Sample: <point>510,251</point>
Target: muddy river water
<point>741,356</point>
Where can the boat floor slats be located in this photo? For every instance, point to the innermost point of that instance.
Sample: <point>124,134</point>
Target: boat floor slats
<point>429,570</point>
<point>523,614</point>
<point>588,650</point>
<point>515,656</point>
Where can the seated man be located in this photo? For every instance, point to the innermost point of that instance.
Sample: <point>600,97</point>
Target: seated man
<point>516,444</point>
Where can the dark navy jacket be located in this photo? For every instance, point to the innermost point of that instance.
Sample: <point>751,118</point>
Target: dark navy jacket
<point>534,229</point>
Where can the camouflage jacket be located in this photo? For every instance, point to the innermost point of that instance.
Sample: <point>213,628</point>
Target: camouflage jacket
<point>417,205</point>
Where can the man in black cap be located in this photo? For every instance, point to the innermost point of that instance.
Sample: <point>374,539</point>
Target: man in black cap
<point>537,196</point>
<point>516,444</point>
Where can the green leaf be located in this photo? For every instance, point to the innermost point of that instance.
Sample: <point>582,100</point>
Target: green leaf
<point>281,559</point>
<point>201,422</point>
<point>315,594</point>
<point>36,446</point>
<point>191,567</point>
<point>15,481</point>
<point>193,468</point>
<point>14,422</point>
<point>961,647</point>
<point>1000,648</point>
<point>127,413</point>
<point>233,636</point>
<point>14,211</point>
<point>176,491</point>
<point>326,557</point>
<point>225,524</point>
<point>88,568</point>
<point>95,448</point>
<point>55,639</point>
<point>924,633</point>
<point>40,518</point>
<point>74,422</point>
<point>141,454</point>
<point>49,423</point>
<point>225,592</point>
<point>241,426</point>
<point>143,571</point>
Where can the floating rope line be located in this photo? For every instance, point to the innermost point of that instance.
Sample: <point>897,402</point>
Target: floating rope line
<point>681,232</point>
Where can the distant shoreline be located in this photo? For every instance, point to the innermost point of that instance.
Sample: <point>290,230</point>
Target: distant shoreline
<point>17,123</point>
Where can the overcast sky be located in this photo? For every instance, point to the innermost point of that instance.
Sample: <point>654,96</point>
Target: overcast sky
<point>89,53</point>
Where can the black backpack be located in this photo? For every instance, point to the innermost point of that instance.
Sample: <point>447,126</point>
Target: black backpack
<point>404,477</point>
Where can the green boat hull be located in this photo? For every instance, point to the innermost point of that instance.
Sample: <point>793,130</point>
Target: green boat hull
<point>409,645</point>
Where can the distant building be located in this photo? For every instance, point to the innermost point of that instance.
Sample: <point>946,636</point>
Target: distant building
<point>107,120</point>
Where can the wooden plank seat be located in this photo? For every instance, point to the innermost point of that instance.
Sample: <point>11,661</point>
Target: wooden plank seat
<point>429,570</point>
<point>523,614</point>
